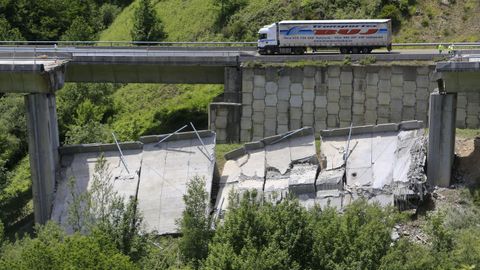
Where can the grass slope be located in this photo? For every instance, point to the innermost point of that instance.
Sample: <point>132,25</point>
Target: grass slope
<point>191,20</point>
<point>145,109</point>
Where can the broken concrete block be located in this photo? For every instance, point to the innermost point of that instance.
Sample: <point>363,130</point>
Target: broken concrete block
<point>330,179</point>
<point>268,166</point>
<point>329,198</point>
<point>302,178</point>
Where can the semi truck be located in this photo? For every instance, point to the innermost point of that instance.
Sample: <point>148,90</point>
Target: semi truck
<point>349,36</point>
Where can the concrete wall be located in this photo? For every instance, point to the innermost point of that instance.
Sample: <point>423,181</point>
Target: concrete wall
<point>277,99</point>
<point>224,118</point>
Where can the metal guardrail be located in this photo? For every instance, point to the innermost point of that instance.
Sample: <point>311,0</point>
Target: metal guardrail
<point>196,43</point>
<point>435,44</point>
<point>128,43</point>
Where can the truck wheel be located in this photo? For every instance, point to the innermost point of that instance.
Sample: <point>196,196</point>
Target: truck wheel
<point>343,50</point>
<point>299,51</point>
<point>365,50</point>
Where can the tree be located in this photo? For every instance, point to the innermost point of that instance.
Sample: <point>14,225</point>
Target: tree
<point>79,30</point>
<point>108,12</point>
<point>392,12</point>
<point>258,235</point>
<point>195,224</point>
<point>146,26</point>
<point>7,32</point>
<point>103,213</point>
<point>227,9</point>
<point>53,249</point>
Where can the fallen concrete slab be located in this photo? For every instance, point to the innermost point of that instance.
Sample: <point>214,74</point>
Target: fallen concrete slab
<point>166,170</point>
<point>78,170</point>
<point>156,174</point>
<point>384,163</point>
<point>273,166</point>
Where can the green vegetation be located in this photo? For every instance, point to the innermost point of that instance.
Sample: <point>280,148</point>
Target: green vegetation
<point>467,133</point>
<point>146,25</point>
<point>254,234</point>
<point>367,60</point>
<point>221,150</point>
<point>53,249</point>
<point>55,20</point>
<point>195,224</point>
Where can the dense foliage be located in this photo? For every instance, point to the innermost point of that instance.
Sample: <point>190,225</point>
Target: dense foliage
<point>254,234</point>
<point>57,19</point>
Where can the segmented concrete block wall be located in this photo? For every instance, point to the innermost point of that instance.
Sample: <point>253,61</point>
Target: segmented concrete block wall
<point>277,99</point>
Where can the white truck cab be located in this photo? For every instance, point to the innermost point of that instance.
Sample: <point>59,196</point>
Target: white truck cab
<point>267,38</point>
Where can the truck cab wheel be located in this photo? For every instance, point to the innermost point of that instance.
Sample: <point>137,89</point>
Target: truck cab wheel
<point>299,51</point>
<point>365,50</point>
<point>343,50</point>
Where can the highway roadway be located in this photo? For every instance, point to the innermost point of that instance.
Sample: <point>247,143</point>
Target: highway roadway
<point>244,53</point>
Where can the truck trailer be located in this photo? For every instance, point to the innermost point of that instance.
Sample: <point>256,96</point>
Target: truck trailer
<point>350,36</point>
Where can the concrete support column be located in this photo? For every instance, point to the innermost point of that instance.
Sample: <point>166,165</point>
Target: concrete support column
<point>224,119</point>
<point>232,85</point>
<point>43,143</point>
<point>441,138</point>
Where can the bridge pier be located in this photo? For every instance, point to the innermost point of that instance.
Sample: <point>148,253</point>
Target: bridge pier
<point>232,85</point>
<point>441,138</point>
<point>43,143</point>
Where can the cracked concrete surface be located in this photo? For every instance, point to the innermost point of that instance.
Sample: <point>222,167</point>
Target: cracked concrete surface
<point>384,166</point>
<point>385,162</point>
<point>273,167</point>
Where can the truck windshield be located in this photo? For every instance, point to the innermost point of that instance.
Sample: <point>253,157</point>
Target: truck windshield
<point>262,36</point>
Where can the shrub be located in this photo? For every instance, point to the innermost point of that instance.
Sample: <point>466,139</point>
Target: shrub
<point>53,249</point>
<point>195,224</point>
<point>368,60</point>
<point>392,12</point>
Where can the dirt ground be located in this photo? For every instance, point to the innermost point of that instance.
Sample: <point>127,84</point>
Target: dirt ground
<point>467,163</point>
<point>466,174</point>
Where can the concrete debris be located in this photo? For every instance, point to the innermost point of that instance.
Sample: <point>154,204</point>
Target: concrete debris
<point>273,167</point>
<point>384,165</point>
<point>158,174</point>
<point>385,162</point>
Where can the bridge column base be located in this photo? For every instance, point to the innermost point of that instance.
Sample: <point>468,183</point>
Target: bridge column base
<point>224,119</point>
<point>43,143</point>
<point>232,85</point>
<point>441,138</point>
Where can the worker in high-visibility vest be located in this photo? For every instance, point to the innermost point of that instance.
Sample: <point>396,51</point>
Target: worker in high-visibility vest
<point>440,48</point>
<point>450,49</point>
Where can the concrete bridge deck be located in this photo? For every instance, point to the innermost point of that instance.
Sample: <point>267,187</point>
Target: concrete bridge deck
<point>202,65</point>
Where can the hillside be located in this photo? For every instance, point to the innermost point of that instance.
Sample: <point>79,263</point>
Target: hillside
<point>416,20</point>
<point>435,20</point>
